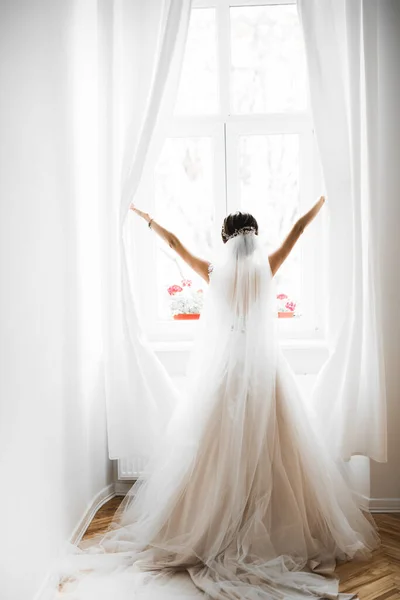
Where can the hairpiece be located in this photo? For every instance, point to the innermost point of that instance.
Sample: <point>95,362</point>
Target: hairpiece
<point>241,231</point>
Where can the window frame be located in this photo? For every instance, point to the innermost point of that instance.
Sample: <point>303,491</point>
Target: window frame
<point>183,127</point>
<point>309,325</point>
<point>224,128</point>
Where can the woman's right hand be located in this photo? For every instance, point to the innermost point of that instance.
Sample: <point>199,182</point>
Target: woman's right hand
<point>142,214</point>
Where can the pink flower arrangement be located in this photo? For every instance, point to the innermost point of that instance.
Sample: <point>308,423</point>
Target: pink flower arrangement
<point>184,299</point>
<point>285,304</point>
<point>291,306</point>
<point>174,289</point>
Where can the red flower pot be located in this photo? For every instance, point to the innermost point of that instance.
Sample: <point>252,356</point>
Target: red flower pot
<point>285,315</point>
<point>187,316</point>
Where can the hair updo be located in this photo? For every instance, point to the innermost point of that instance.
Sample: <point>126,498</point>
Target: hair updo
<point>236,222</point>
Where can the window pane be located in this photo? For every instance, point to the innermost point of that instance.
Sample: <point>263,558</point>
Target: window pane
<point>269,189</point>
<point>268,63</point>
<point>184,194</point>
<point>198,89</point>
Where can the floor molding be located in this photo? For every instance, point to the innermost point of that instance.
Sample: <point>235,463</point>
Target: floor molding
<point>122,487</point>
<point>384,505</point>
<point>378,505</point>
<point>101,498</point>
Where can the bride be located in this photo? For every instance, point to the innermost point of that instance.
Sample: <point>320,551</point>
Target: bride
<point>241,499</point>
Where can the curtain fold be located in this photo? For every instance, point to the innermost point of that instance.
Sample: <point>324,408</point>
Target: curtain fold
<point>149,39</point>
<point>343,48</point>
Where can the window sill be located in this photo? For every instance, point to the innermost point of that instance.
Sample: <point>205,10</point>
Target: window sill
<point>169,335</point>
<point>294,344</point>
<point>304,356</point>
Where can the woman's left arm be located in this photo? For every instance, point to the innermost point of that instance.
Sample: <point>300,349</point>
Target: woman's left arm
<point>197,264</point>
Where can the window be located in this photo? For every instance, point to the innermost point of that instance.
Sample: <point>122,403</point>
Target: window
<point>241,139</point>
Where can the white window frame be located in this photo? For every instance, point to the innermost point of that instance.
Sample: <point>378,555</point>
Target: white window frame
<point>309,325</point>
<point>225,129</point>
<point>169,330</point>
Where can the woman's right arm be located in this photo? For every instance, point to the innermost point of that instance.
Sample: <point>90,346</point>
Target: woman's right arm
<point>279,256</point>
<point>199,265</point>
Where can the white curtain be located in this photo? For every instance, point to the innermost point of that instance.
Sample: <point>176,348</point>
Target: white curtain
<point>141,49</point>
<point>343,49</point>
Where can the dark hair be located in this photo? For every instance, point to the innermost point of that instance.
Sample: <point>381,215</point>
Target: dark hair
<point>236,221</point>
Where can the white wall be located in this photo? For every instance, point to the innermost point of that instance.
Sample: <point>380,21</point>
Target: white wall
<point>385,478</point>
<point>52,411</point>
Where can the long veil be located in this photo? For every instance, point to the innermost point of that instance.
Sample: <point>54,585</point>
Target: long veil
<point>226,507</point>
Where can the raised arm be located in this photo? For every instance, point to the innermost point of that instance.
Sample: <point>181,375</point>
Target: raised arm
<point>279,256</point>
<point>197,264</point>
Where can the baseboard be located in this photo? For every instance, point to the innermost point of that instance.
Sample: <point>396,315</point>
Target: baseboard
<point>379,505</point>
<point>101,498</point>
<point>384,505</point>
<point>121,488</point>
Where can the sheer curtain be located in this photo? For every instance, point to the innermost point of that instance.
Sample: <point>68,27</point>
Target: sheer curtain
<point>141,48</point>
<point>343,49</point>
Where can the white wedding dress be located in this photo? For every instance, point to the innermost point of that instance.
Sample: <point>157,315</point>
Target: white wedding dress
<point>241,500</point>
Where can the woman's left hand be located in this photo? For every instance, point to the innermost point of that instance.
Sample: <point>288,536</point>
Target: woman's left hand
<point>142,214</point>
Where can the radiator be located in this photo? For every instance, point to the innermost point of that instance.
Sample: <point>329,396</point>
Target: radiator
<point>130,468</point>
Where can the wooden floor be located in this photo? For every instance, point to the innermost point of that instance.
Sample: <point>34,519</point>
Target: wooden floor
<point>378,579</point>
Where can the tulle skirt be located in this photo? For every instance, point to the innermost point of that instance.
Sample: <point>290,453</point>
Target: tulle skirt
<point>230,513</point>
